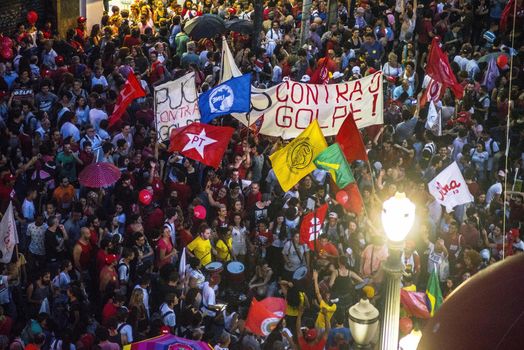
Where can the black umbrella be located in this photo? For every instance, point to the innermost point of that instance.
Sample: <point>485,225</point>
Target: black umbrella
<point>238,25</point>
<point>206,26</point>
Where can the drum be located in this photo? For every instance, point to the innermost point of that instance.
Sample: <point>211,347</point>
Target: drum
<point>300,273</point>
<point>235,273</point>
<point>214,267</point>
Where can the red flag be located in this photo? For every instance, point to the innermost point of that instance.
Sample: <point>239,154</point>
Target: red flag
<point>355,204</point>
<point>321,73</point>
<point>202,142</point>
<point>433,92</point>
<point>131,91</point>
<point>264,315</point>
<point>350,140</point>
<point>311,226</point>
<point>508,10</point>
<point>439,69</point>
<point>414,303</point>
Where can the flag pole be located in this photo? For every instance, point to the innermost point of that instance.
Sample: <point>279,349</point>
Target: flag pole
<point>507,132</point>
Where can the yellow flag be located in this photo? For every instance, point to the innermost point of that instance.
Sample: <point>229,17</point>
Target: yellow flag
<point>295,161</point>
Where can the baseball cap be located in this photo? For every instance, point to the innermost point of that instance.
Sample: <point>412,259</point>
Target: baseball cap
<point>337,75</point>
<point>333,215</point>
<point>501,173</point>
<point>355,70</point>
<point>311,334</point>
<point>111,258</point>
<point>8,177</point>
<point>305,78</point>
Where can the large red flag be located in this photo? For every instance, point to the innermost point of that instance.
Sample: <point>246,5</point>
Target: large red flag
<point>202,142</point>
<point>311,226</point>
<point>131,90</point>
<point>439,69</point>
<point>321,73</point>
<point>350,141</point>
<point>264,315</point>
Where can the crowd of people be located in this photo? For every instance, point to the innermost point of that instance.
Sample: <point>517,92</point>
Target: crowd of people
<point>98,269</point>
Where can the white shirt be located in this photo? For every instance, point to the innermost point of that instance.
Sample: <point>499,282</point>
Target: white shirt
<point>168,315</point>
<point>294,260</point>
<point>494,189</point>
<point>99,81</point>
<point>123,271</point>
<point>208,298</point>
<point>28,210</point>
<point>127,330</point>
<point>69,129</point>
<point>96,116</point>
<point>238,238</point>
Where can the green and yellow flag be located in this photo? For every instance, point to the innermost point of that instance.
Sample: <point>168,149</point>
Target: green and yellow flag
<point>295,161</point>
<point>333,160</point>
<point>434,293</point>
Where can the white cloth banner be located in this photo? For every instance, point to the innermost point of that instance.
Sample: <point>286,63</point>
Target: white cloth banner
<point>449,188</point>
<point>434,120</point>
<point>176,105</point>
<point>286,109</point>
<point>8,235</point>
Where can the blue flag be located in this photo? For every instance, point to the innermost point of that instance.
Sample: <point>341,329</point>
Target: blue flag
<point>232,96</point>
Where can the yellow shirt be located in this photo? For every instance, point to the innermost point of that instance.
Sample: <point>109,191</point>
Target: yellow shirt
<point>293,311</point>
<point>320,322</point>
<point>223,249</point>
<point>201,249</point>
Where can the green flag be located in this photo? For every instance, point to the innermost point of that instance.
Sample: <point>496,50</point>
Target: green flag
<point>433,292</point>
<point>333,160</point>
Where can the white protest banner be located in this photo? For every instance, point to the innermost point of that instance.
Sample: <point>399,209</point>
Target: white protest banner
<point>8,235</point>
<point>449,188</point>
<point>288,108</point>
<point>176,105</point>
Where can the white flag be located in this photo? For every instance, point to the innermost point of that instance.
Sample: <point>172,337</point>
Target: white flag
<point>229,67</point>
<point>434,121</point>
<point>182,266</point>
<point>449,188</point>
<point>8,235</point>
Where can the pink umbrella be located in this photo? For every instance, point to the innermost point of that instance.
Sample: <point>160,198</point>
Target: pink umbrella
<point>99,175</point>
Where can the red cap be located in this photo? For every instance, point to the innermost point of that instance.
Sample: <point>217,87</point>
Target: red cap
<point>59,60</point>
<point>111,258</point>
<point>81,19</point>
<point>8,178</point>
<point>311,334</point>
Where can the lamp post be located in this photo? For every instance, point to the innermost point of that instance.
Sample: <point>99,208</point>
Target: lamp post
<point>398,216</point>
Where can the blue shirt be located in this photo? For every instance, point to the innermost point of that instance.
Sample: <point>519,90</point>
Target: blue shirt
<point>346,333</point>
<point>399,90</point>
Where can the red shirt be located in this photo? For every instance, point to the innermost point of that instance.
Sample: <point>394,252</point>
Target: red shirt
<point>252,199</point>
<point>85,255</point>
<point>108,311</point>
<point>101,260</point>
<point>304,345</point>
<point>327,248</point>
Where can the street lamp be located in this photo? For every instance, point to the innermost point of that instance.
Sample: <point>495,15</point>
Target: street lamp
<point>398,216</point>
<point>363,323</point>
